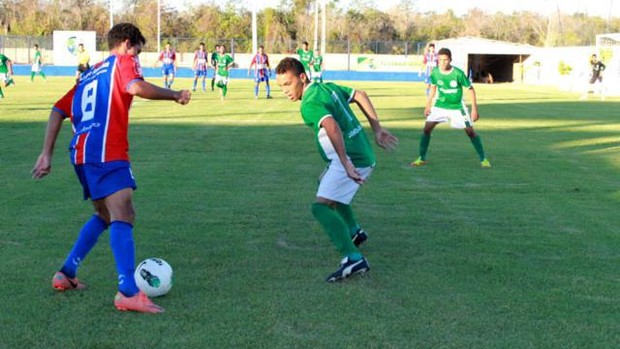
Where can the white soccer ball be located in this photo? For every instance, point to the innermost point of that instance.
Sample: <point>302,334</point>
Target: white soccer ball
<point>154,277</point>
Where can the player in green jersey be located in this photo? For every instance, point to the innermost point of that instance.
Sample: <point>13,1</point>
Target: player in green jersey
<point>447,83</point>
<point>317,67</point>
<point>6,71</point>
<point>216,51</point>
<point>37,64</point>
<point>224,63</point>
<point>343,144</point>
<point>305,57</point>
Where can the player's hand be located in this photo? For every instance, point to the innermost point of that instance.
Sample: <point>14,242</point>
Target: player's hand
<point>42,167</point>
<point>474,115</point>
<point>386,140</point>
<point>183,96</point>
<point>352,172</point>
<point>427,112</point>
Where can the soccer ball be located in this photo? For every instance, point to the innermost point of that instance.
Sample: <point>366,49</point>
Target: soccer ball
<point>154,277</point>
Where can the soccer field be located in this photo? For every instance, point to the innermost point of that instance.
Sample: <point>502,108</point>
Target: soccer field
<point>523,255</point>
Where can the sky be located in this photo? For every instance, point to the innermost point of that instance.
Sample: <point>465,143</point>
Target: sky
<point>602,8</point>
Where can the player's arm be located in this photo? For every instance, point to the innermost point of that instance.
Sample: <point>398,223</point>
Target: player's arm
<point>474,103</point>
<point>251,65</point>
<point>147,90</point>
<point>430,100</point>
<point>43,166</point>
<point>383,137</point>
<point>334,133</point>
<point>9,64</point>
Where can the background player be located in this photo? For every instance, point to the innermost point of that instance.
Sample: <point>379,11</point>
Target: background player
<point>83,59</point>
<point>596,78</point>
<point>344,146</point>
<point>317,66</point>
<point>262,71</point>
<point>430,62</point>
<point>200,66</point>
<point>99,110</point>
<point>6,71</point>
<point>449,106</point>
<point>214,65</point>
<point>37,64</point>
<point>224,63</point>
<point>305,57</point>
<point>168,58</point>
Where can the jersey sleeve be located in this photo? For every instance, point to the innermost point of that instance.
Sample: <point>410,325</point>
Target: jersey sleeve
<point>346,92</point>
<point>433,78</point>
<point>253,60</point>
<point>464,81</point>
<point>314,112</point>
<point>130,70</point>
<point>63,105</point>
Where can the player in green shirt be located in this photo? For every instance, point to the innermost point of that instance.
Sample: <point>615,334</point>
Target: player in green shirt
<point>214,65</point>
<point>6,71</point>
<point>343,144</point>
<point>449,106</point>
<point>224,62</point>
<point>317,67</point>
<point>305,57</point>
<point>37,64</point>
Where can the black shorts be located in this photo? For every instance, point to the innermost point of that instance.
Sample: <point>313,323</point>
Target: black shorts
<point>595,79</point>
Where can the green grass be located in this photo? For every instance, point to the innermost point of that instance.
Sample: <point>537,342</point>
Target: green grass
<point>524,255</point>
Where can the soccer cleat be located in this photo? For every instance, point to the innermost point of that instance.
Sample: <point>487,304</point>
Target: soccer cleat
<point>359,237</point>
<point>140,303</point>
<point>485,163</point>
<point>61,282</point>
<point>418,162</point>
<point>348,268</point>
<point>269,97</point>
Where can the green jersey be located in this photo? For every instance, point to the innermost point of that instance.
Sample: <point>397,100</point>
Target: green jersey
<point>328,99</point>
<point>4,67</point>
<point>223,61</point>
<point>305,57</point>
<point>449,88</point>
<point>37,57</point>
<point>316,63</point>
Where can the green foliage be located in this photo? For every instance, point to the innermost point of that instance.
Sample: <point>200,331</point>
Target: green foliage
<point>564,69</point>
<point>524,255</point>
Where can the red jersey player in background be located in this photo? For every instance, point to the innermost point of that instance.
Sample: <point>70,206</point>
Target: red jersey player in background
<point>262,71</point>
<point>99,110</point>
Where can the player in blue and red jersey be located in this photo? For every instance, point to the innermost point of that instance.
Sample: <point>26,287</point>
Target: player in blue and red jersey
<point>262,71</point>
<point>200,66</point>
<point>98,106</point>
<point>430,62</point>
<point>168,58</point>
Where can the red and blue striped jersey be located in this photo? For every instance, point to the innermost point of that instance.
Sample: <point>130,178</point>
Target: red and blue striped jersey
<point>167,57</point>
<point>201,60</point>
<point>99,110</point>
<point>262,62</point>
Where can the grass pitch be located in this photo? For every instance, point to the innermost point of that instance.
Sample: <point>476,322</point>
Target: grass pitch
<point>524,255</point>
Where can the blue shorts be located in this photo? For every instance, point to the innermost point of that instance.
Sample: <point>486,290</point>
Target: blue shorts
<point>167,69</point>
<point>200,72</point>
<point>104,179</point>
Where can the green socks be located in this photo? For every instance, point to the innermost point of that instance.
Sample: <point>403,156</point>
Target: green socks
<point>346,213</point>
<point>336,229</point>
<point>425,140</point>
<point>477,142</point>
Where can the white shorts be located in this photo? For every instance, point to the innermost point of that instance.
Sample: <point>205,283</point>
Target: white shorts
<point>223,79</point>
<point>316,74</point>
<point>335,185</point>
<point>4,77</point>
<point>36,68</point>
<point>458,118</point>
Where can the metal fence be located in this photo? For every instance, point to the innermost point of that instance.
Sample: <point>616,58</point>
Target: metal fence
<point>11,44</point>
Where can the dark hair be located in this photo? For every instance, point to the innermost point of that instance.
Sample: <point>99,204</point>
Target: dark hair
<point>261,46</point>
<point>125,31</point>
<point>445,51</point>
<point>305,43</point>
<point>223,46</point>
<point>36,46</point>
<point>431,45</point>
<point>201,44</point>
<point>290,64</point>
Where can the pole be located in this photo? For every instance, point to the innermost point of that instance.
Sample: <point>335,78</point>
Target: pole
<point>158,26</point>
<point>323,33</point>
<point>316,24</point>
<point>111,15</point>
<point>254,30</point>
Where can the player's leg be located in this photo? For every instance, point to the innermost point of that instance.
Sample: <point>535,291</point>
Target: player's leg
<point>256,87</point>
<point>171,80</point>
<point>32,74</point>
<point>476,141</point>
<point>1,93</point>
<point>204,81</point>
<point>425,140</point>
<point>357,234</point>
<point>195,80</point>
<point>267,87</point>
<point>337,188</point>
